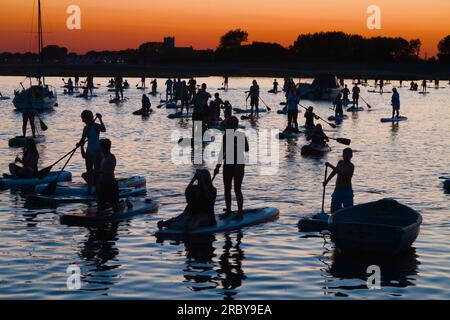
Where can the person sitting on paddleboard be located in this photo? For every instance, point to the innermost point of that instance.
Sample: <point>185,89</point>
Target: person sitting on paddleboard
<point>356,91</point>
<point>200,197</point>
<point>146,104</point>
<point>253,94</point>
<point>309,116</point>
<point>318,136</point>
<point>107,188</point>
<point>29,162</point>
<point>395,102</point>
<point>338,109</point>
<point>91,155</point>
<point>233,164</point>
<point>345,93</point>
<point>292,110</point>
<point>343,193</point>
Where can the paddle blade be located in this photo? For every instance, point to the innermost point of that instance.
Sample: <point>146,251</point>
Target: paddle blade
<point>44,172</point>
<point>344,141</point>
<point>50,188</point>
<point>332,125</point>
<point>43,125</point>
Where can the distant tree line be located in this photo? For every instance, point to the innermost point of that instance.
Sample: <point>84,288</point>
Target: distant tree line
<point>322,47</point>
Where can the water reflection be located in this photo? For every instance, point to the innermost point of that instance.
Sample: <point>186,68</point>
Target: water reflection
<point>98,250</point>
<point>397,271</point>
<point>204,271</point>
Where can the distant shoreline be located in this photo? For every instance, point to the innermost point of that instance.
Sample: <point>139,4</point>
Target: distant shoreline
<point>404,71</point>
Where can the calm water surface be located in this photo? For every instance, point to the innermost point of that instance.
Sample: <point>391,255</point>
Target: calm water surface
<point>270,261</point>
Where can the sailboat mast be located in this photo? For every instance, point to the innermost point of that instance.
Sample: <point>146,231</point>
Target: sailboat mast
<point>40,40</point>
<point>40,36</point>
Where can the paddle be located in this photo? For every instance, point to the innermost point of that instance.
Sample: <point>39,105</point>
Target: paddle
<point>342,140</point>
<point>324,187</point>
<point>42,124</point>
<point>51,187</point>
<point>444,178</point>
<point>159,106</point>
<point>368,105</point>
<point>268,108</point>
<point>329,123</point>
<point>44,172</point>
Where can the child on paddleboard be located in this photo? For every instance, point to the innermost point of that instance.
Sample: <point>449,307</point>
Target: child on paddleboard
<point>92,154</point>
<point>343,193</point>
<point>317,136</point>
<point>200,197</point>
<point>309,118</point>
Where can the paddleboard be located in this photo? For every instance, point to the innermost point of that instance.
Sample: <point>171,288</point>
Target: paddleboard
<point>401,118</point>
<point>239,110</point>
<point>282,111</point>
<point>77,188</point>
<point>40,199</point>
<point>142,113</point>
<point>93,216</point>
<point>4,98</point>
<point>355,109</point>
<point>423,92</point>
<point>373,91</point>
<point>118,100</point>
<point>9,181</point>
<point>338,118</point>
<point>315,150</point>
<point>250,217</point>
<point>289,135</point>
<point>179,115</point>
<point>20,141</point>
<point>185,142</point>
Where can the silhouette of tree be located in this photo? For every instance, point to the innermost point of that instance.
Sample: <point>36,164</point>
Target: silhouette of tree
<point>444,49</point>
<point>233,39</point>
<point>53,53</point>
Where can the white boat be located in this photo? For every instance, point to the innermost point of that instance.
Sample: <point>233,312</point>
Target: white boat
<point>38,96</point>
<point>324,87</point>
<point>380,226</point>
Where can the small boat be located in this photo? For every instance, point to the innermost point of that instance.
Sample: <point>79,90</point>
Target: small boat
<point>39,96</point>
<point>315,149</point>
<point>10,182</point>
<point>92,216</point>
<point>324,87</point>
<point>381,226</point>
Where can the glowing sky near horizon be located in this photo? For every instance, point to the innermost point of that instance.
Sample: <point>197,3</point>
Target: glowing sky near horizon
<point>118,24</point>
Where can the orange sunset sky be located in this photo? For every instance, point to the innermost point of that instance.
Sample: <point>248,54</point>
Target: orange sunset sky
<point>121,24</point>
